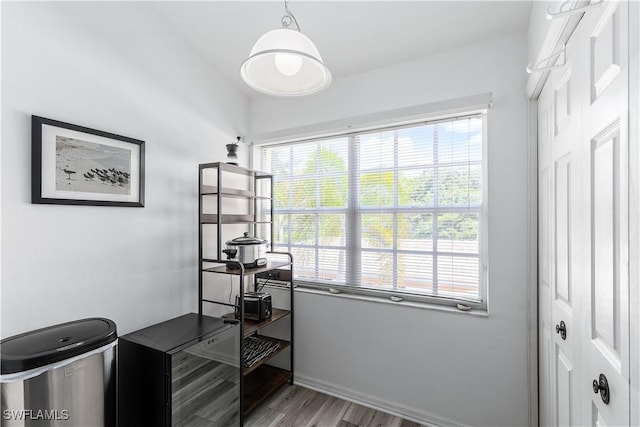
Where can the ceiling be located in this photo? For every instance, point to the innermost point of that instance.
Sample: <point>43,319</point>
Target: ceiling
<point>352,36</point>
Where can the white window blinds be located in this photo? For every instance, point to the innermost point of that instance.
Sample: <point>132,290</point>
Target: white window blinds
<point>395,211</point>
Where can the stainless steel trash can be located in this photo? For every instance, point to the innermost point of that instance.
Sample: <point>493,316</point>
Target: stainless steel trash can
<point>60,376</point>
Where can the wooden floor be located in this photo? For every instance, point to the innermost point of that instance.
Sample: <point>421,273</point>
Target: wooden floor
<point>296,406</point>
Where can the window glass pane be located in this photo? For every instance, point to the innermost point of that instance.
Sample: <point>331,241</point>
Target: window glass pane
<point>415,146</point>
<point>304,158</point>
<point>415,232</point>
<point>415,272</point>
<point>263,210</point>
<point>333,156</point>
<point>376,150</point>
<point>458,276</point>
<point>282,194</point>
<point>454,141</point>
<point>376,189</point>
<point>331,230</point>
<point>302,229</point>
<point>327,158</point>
<point>305,192</point>
<point>305,262</point>
<point>455,186</point>
<point>332,265</point>
<point>322,180</point>
<point>377,270</point>
<point>475,184</point>
<point>278,160</point>
<point>458,233</point>
<point>377,230</point>
<point>475,139</point>
<point>281,229</point>
<point>415,187</point>
<point>333,191</point>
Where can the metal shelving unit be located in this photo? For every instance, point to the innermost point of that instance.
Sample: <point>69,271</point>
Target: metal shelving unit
<point>260,380</point>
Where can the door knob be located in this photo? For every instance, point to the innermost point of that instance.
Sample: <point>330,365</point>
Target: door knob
<point>601,385</point>
<point>562,330</point>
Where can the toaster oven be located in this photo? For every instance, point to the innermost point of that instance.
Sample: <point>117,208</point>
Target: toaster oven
<point>257,306</point>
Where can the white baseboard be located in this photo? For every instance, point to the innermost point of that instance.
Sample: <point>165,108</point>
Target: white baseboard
<point>411,414</point>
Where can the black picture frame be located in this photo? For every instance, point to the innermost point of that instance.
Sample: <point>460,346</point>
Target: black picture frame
<point>110,167</point>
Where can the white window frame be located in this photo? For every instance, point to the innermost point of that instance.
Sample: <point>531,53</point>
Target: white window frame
<point>299,135</point>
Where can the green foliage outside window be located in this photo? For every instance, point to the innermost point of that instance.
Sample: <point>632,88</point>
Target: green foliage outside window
<point>325,185</point>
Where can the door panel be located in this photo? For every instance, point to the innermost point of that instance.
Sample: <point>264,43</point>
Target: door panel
<point>605,54</point>
<point>606,292</point>
<point>562,103</point>
<point>564,387</point>
<point>544,203</point>
<point>562,229</point>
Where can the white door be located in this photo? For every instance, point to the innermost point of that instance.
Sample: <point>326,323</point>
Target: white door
<point>583,227</point>
<point>603,49</point>
<point>559,131</point>
<point>565,184</point>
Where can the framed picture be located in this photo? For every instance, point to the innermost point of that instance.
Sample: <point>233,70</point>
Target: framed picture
<point>75,165</point>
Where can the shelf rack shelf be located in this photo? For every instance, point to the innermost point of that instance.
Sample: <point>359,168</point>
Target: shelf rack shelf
<point>212,190</point>
<point>261,383</point>
<point>252,326</point>
<point>261,379</point>
<point>230,219</point>
<point>283,344</point>
<point>225,269</point>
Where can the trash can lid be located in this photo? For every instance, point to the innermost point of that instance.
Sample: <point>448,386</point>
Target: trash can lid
<point>52,344</point>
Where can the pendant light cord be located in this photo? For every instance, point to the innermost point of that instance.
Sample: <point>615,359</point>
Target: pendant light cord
<point>288,17</point>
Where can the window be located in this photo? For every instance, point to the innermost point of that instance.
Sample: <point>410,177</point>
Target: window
<point>395,211</point>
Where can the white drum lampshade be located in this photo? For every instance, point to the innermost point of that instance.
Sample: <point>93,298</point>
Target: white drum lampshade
<point>285,62</point>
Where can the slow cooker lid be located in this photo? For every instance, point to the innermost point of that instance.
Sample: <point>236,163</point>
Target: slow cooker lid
<point>246,240</point>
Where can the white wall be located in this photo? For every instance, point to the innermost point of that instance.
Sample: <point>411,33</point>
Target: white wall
<point>115,67</point>
<point>436,366</point>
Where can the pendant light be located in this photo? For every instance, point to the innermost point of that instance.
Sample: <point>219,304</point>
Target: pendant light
<point>285,62</point>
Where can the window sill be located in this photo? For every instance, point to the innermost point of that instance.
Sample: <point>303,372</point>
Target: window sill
<point>382,300</point>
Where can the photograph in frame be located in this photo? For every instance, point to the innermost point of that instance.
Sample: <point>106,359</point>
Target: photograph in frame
<point>82,166</point>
